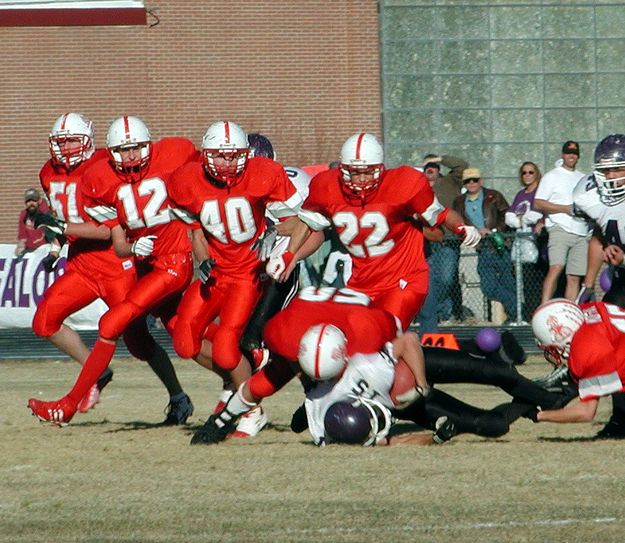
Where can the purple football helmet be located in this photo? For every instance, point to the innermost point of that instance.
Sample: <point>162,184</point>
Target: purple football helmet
<point>359,422</point>
<point>260,146</point>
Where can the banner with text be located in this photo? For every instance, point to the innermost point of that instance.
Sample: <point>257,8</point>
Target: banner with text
<point>22,284</point>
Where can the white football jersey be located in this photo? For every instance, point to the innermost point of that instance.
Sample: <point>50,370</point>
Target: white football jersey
<point>368,376</point>
<point>611,219</point>
<point>301,180</point>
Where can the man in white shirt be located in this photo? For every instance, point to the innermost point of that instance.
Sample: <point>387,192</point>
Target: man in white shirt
<point>568,235</point>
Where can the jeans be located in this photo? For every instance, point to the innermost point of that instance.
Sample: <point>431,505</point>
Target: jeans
<point>443,264</point>
<point>427,317</point>
<point>496,279</point>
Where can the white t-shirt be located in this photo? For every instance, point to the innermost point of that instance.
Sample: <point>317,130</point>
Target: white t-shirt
<point>557,187</point>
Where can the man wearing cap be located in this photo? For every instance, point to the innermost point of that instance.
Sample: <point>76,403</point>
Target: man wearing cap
<point>568,235</point>
<point>443,259</point>
<point>486,209</point>
<point>29,237</point>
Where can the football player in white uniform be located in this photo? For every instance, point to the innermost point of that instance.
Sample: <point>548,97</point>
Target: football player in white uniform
<point>356,406</point>
<point>601,197</point>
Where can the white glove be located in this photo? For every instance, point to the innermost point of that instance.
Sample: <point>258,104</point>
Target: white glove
<point>512,220</point>
<point>470,234</point>
<point>143,246</point>
<point>278,264</point>
<point>411,396</point>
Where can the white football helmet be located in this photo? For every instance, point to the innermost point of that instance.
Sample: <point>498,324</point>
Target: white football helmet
<point>610,155</point>
<point>554,324</point>
<point>224,139</point>
<point>71,127</point>
<point>361,154</point>
<point>322,352</point>
<point>128,133</point>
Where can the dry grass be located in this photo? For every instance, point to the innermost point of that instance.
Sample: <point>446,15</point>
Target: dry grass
<point>113,475</point>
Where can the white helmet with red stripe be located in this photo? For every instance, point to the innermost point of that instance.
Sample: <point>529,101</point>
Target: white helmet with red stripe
<point>362,164</point>
<point>124,134</point>
<point>322,352</point>
<point>71,140</point>
<point>225,149</point>
<point>554,324</point>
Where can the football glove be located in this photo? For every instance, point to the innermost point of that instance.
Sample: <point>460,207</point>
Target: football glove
<point>205,268</point>
<point>415,394</point>
<point>53,228</point>
<point>264,244</point>
<point>143,246</point>
<point>471,236</point>
<point>50,262</point>
<point>278,264</point>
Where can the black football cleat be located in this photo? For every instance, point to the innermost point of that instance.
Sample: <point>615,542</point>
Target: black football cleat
<point>213,431</point>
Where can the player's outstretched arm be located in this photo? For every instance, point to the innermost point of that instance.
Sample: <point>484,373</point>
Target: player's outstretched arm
<point>573,412</point>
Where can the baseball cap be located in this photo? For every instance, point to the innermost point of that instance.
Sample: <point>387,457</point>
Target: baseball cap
<point>471,173</point>
<point>32,194</point>
<point>571,147</point>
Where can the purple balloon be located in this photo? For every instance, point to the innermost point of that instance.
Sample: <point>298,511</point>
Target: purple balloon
<point>488,339</point>
<point>605,279</point>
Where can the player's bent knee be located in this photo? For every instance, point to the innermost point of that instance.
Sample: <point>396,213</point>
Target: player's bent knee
<point>43,325</point>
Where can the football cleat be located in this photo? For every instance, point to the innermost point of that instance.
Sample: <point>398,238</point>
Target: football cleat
<point>612,430</point>
<point>251,423</point>
<point>213,431</point>
<point>58,413</point>
<point>178,411</point>
<point>89,400</point>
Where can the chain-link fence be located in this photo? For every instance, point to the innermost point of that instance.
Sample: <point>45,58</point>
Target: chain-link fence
<point>499,283</point>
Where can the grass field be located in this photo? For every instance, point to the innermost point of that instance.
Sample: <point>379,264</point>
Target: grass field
<point>114,475</point>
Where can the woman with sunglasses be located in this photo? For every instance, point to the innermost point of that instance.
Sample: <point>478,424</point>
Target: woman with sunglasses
<point>522,217</point>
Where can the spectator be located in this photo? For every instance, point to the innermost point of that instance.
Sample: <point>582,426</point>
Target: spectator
<point>443,260</point>
<point>524,218</point>
<point>485,209</point>
<point>29,237</point>
<point>568,235</point>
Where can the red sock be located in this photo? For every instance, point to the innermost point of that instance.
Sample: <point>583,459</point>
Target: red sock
<point>96,363</point>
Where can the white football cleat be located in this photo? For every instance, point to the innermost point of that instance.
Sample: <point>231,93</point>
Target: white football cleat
<point>251,423</point>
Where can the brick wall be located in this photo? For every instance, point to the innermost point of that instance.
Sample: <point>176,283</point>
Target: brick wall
<point>306,73</point>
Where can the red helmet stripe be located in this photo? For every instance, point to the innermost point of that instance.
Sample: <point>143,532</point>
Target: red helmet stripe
<point>318,350</point>
<point>126,127</point>
<point>64,121</point>
<point>227,127</point>
<point>359,145</point>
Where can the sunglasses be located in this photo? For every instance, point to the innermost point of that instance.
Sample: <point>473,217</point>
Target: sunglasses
<point>530,172</point>
<point>467,181</point>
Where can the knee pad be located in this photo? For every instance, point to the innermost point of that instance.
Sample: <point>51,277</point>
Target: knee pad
<point>185,344</point>
<point>226,352</point>
<point>45,324</point>
<point>491,425</point>
<point>113,323</point>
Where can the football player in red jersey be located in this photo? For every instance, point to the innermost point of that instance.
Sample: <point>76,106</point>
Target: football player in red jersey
<point>372,209</point>
<point>91,263</point>
<point>128,194</point>
<point>591,339</point>
<point>226,194</point>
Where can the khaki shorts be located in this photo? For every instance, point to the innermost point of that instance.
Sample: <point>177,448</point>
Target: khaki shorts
<point>570,250</point>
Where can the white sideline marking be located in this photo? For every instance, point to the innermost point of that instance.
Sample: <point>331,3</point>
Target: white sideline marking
<point>448,527</point>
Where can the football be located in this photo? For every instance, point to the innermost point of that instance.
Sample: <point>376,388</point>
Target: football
<point>404,381</point>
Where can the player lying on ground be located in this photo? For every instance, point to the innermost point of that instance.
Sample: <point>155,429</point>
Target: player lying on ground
<point>366,330</point>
